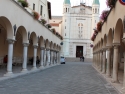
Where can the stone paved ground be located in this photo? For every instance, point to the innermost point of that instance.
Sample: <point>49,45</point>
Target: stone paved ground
<point>71,78</point>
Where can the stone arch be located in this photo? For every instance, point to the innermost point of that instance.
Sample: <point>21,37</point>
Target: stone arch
<point>104,41</point>
<point>47,44</point>
<point>6,24</point>
<point>66,9</point>
<point>110,38</point>
<point>22,31</point>
<point>54,46</point>
<point>57,48</point>
<point>101,42</point>
<point>118,31</point>
<point>33,38</point>
<point>51,45</point>
<point>41,41</point>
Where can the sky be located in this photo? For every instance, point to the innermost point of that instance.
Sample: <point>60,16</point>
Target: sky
<point>57,5</point>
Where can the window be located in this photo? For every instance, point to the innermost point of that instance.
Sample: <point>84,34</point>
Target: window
<point>95,10</point>
<point>65,27</point>
<point>33,6</point>
<point>66,9</point>
<point>95,21</point>
<point>65,20</point>
<point>44,15</point>
<point>65,34</point>
<point>41,10</point>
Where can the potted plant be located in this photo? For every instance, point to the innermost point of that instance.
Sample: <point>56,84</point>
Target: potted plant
<point>53,30</point>
<point>111,3</point>
<point>91,45</point>
<point>43,21</point>
<point>104,15</point>
<point>36,15</point>
<point>48,25</point>
<point>24,3</point>
<point>61,38</point>
<point>99,26</point>
<point>57,33</point>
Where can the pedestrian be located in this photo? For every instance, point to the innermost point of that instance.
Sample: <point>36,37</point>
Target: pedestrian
<point>83,58</point>
<point>5,59</point>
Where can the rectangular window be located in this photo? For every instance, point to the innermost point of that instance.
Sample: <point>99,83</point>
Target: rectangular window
<point>33,6</point>
<point>41,10</point>
<point>65,27</point>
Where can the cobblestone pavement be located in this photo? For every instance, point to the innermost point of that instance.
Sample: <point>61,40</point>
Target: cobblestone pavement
<point>70,78</point>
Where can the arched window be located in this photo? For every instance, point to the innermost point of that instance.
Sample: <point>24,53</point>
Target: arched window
<point>66,9</point>
<point>95,10</point>
<point>80,30</point>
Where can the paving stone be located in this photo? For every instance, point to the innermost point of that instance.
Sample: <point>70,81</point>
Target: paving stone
<point>70,78</point>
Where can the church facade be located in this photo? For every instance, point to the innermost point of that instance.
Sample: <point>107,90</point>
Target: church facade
<point>77,25</point>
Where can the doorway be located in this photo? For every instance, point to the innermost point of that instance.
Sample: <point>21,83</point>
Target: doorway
<point>79,51</point>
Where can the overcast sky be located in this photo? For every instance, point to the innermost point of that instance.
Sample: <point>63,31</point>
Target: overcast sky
<point>57,5</point>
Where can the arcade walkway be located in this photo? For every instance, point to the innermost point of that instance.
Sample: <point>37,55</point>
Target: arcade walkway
<point>71,78</point>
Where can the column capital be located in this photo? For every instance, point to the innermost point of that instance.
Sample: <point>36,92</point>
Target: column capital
<point>25,44</point>
<point>108,47</point>
<point>123,40</point>
<point>35,46</point>
<point>47,49</point>
<point>116,44</point>
<point>11,41</point>
<point>42,48</point>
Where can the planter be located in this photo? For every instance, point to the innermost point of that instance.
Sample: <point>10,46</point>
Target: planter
<point>53,30</point>
<point>23,3</point>
<point>36,15</point>
<point>43,21</point>
<point>48,26</point>
<point>111,3</point>
<point>99,25</point>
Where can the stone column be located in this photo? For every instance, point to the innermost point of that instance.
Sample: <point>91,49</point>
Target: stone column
<point>108,72</point>
<point>10,56</point>
<point>45,57</point>
<point>104,61</point>
<point>100,60</point>
<point>48,57</point>
<point>115,64</point>
<point>59,57</point>
<point>42,58</point>
<point>25,49</point>
<point>34,58</point>
<point>51,57</point>
<point>54,57</point>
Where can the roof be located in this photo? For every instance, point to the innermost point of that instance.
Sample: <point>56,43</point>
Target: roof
<point>56,17</point>
<point>67,2</point>
<point>96,2</point>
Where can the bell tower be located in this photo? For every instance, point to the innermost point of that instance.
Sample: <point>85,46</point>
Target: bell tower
<point>66,26</point>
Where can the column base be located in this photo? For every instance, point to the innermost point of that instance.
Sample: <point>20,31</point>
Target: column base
<point>24,70</point>
<point>122,90</point>
<point>41,67</point>
<point>34,68</point>
<point>8,74</point>
<point>109,76</point>
<point>115,81</point>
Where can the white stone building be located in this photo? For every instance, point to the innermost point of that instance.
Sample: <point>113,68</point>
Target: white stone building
<point>22,37</point>
<point>77,24</point>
